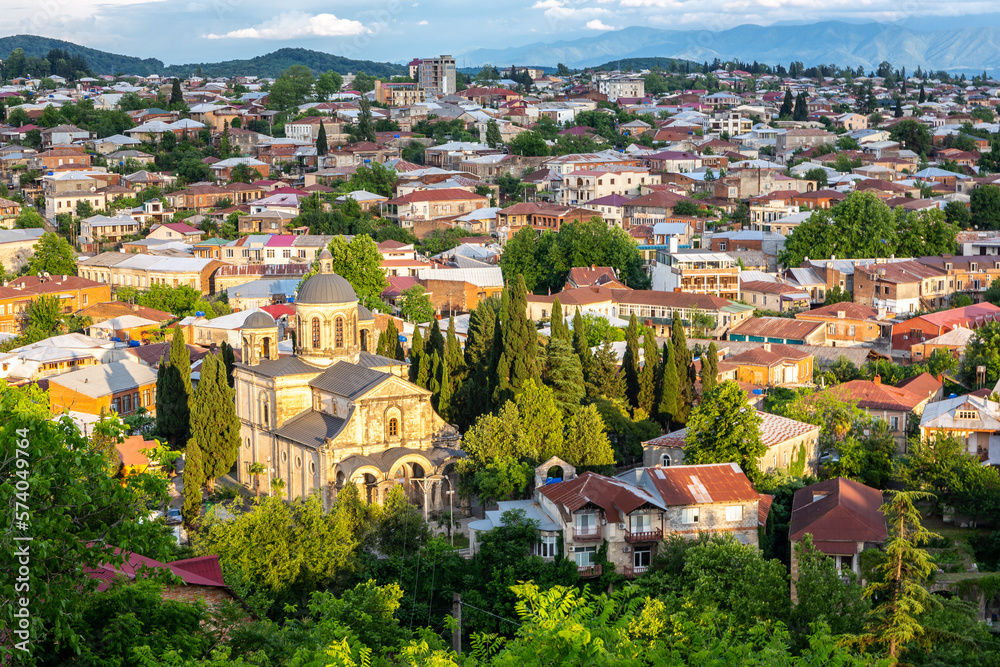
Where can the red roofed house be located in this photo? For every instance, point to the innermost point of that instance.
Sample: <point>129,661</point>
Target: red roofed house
<point>433,204</point>
<point>771,365</point>
<point>923,328</point>
<point>789,443</point>
<point>844,518</point>
<point>175,231</point>
<point>894,405</point>
<point>592,276</point>
<point>201,578</point>
<point>847,322</point>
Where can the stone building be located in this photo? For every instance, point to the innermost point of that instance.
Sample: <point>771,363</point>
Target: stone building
<point>333,412</point>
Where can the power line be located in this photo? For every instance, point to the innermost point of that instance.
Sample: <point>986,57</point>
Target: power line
<point>466,604</point>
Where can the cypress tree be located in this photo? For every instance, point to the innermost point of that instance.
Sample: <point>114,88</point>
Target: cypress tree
<point>453,353</point>
<point>564,374</point>
<point>647,376</point>
<point>630,361</point>
<point>321,147</point>
<point>388,343</point>
<point>214,420</point>
<point>425,370</point>
<point>801,111</point>
<point>709,369</point>
<point>473,398</point>
<point>181,359</point>
<point>670,389</point>
<point>923,96</point>
<point>605,378</point>
<point>229,360</point>
<point>518,359</point>
<point>786,106</point>
<point>433,385</point>
<point>444,394</point>
<point>173,394</point>
<point>581,344</point>
<point>194,478</point>
<point>559,327</point>
<point>682,362</point>
<point>416,352</point>
<point>176,96</point>
<point>435,341</point>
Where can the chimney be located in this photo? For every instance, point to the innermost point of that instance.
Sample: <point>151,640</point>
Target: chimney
<point>877,380</point>
<point>767,346</point>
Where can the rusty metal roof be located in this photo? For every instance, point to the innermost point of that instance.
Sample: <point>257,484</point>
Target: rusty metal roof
<point>701,484</point>
<point>838,510</point>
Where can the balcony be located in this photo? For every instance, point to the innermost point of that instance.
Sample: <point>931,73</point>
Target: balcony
<point>589,571</point>
<point>633,572</point>
<point>644,536</point>
<point>589,533</point>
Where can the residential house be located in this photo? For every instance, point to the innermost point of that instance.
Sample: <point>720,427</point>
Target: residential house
<point>143,271</point>
<point>803,138</point>
<point>849,323</point>
<point>656,309</point>
<point>953,343</point>
<point>99,229</point>
<point>696,272</point>
<point>900,408</point>
<point>175,231</point>
<point>922,328</point>
<point>844,519</point>
<point>423,205</point>
<point>538,216</point>
<point>121,386</point>
<point>902,287</point>
<point>125,328</point>
<point>774,296</point>
<point>973,419</point>
<point>790,444</point>
<point>779,330</point>
<point>771,365</point>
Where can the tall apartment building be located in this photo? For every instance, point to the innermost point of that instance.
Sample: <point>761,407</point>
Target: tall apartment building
<point>436,76</point>
<point>621,85</point>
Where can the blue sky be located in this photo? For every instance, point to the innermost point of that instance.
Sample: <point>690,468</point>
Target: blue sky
<point>177,31</point>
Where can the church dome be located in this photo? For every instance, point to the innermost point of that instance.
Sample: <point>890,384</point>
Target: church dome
<point>326,288</point>
<point>259,320</point>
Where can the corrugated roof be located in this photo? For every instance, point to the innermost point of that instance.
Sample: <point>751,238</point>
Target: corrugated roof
<point>616,497</point>
<point>282,367</point>
<point>312,428</point>
<point>701,484</point>
<point>848,512</point>
<point>106,379</point>
<point>348,380</point>
<point>877,396</point>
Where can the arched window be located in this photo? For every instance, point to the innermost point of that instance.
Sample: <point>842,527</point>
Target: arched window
<point>315,331</point>
<point>265,349</point>
<point>665,460</point>
<point>338,332</point>
<point>264,412</point>
<point>393,427</point>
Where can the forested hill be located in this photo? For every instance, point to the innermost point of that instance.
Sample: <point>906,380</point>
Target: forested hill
<point>275,63</point>
<point>269,65</point>
<point>101,62</point>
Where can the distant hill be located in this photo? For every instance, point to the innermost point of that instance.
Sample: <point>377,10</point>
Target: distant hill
<point>270,65</point>
<point>101,62</point>
<point>275,63</point>
<point>648,63</point>
<point>970,49</point>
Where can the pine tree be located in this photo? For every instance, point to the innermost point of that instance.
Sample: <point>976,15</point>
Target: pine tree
<point>173,394</point>
<point>214,420</point>
<point>558,323</point>
<point>517,361</point>
<point>581,344</point>
<point>229,360</point>
<point>416,352</point>
<point>388,343</point>
<point>923,96</point>
<point>444,393</point>
<point>630,361</point>
<point>321,147</point>
<point>473,397</point>
<point>194,478</point>
<point>564,374</point>
<point>786,106</point>
<point>682,362</point>
<point>801,111</point>
<point>709,369</point>
<point>176,96</point>
<point>647,376</point>
<point>435,341</point>
<point>669,389</point>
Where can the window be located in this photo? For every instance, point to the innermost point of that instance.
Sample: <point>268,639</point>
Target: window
<point>126,404</point>
<point>339,332</point>
<point>967,414</point>
<point>585,556</point>
<point>393,427</point>
<point>135,401</point>
<point>270,254</point>
<point>850,330</point>
<point>145,398</point>
<point>832,329</point>
<point>665,460</point>
<point>315,332</point>
<point>689,515</point>
<point>264,414</point>
<point>547,547</point>
<point>114,405</point>
<point>640,523</point>
<point>641,559</point>
<point>845,563</point>
<point>734,513</point>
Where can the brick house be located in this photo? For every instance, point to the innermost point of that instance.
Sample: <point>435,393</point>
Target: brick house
<point>923,328</point>
<point>122,386</point>
<point>787,441</point>
<point>73,293</point>
<point>843,517</point>
<point>902,287</point>
<point>199,197</point>
<point>896,406</point>
<point>434,204</point>
<point>771,365</point>
<point>540,216</point>
<point>848,323</point>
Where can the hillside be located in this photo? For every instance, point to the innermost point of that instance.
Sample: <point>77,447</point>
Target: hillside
<point>269,65</point>
<point>845,44</point>
<point>274,63</point>
<point>101,62</point>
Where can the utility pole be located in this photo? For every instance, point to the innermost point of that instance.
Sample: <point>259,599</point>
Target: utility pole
<point>456,633</point>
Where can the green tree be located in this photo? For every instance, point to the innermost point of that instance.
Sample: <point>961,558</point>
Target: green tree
<point>360,262</point>
<point>415,306</point>
<point>787,106</point>
<point>45,319</point>
<point>176,94</point>
<point>174,393</point>
<point>985,206</point>
<point>630,361</point>
<point>723,428</point>
<point>493,138</point>
<point>228,361</point>
<point>957,213</point>
<point>80,518</point>
<point>328,84</point>
<point>983,349</point>
<point>29,218</point>
<point>321,147</point>
<point>53,255</point>
<point>528,144</point>
<point>292,88</point>
<point>669,388</point>
<point>710,369</point>
<point>912,135</point>
<point>214,421</point>
<point>586,442</point>
<point>605,378</point>
<point>898,588</point>
<point>388,343</point>
<point>648,375</point>
<point>581,344</point>
<point>194,479</point>
<point>817,174</point>
<point>564,373</point>
<point>541,422</point>
<point>683,360</point>
<point>366,130</point>
<point>822,595</point>
<point>837,295</point>
<point>516,360</point>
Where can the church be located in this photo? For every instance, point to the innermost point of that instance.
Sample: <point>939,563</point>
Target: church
<point>334,412</point>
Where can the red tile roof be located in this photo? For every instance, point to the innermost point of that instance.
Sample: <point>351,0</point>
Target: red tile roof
<point>849,512</point>
<point>924,384</point>
<point>761,356</point>
<point>201,571</point>
<point>964,316</point>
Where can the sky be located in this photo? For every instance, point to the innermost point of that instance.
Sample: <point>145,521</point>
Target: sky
<point>178,31</point>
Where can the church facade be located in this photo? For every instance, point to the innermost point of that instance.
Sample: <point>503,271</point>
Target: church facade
<point>334,412</point>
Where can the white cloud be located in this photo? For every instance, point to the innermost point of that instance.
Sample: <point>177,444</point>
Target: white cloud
<point>292,25</point>
<point>597,24</point>
<point>422,23</point>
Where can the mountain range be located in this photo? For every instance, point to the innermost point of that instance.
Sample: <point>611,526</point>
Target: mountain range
<point>269,65</point>
<point>967,49</point>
